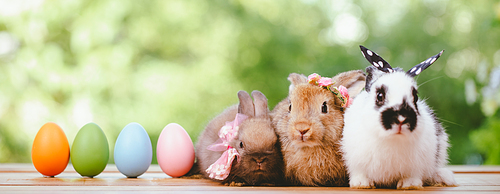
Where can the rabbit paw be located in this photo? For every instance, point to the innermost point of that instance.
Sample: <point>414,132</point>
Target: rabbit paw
<point>410,183</point>
<point>445,178</point>
<point>361,182</point>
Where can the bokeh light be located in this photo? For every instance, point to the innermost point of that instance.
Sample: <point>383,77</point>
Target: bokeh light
<point>155,62</point>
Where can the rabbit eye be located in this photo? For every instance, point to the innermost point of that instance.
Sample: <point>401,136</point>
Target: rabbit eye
<point>241,144</point>
<point>381,96</point>
<point>290,108</point>
<point>324,108</point>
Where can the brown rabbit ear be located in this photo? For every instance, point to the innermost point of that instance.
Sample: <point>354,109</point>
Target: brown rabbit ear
<point>260,103</point>
<point>246,105</point>
<point>354,81</point>
<point>296,79</point>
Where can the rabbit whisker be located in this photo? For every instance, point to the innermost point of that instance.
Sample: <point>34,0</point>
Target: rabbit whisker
<point>451,122</point>
<point>429,80</point>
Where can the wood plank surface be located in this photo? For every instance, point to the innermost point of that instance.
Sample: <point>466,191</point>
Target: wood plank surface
<point>23,178</point>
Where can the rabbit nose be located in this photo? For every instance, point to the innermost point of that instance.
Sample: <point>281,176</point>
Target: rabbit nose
<point>259,162</point>
<point>401,119</point>
<point>302,128</point>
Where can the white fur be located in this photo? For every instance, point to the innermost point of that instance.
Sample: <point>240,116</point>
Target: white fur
<point>375,156</point>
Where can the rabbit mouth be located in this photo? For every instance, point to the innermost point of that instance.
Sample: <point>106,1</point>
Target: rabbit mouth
<point>301,137</point>
<point>301,141</point>
<point>400,129</point>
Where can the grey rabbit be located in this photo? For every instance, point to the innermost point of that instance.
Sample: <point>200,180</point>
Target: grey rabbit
<point>260,161</point>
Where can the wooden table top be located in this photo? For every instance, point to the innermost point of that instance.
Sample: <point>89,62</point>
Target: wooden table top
<point>23,178</point>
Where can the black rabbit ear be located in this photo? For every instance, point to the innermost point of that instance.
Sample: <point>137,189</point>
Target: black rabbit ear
<point>423,65</point>
<point>376,60</point>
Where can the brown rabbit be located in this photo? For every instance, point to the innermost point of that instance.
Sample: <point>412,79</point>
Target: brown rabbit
<point>260,160</point>
<point>309,124</point>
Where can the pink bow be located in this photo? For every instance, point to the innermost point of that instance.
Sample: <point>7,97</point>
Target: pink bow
<point>220,169</point>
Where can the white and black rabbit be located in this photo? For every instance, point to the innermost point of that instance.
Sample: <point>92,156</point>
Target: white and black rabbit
<point>390,137</point>
<point>253,144</point>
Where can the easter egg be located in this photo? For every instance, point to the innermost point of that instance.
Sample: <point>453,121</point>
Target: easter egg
<point>133,151</point>
<point>90,150</point>
<point>50,151</point>
<point>175,150</point>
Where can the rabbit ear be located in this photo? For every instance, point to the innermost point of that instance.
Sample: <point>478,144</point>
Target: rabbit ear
<point>376,60</point>
<point>246,105</point>
<point>260,103</point>
<point>423,65</point>
<point>296,79</point>
<point>354,81</point>
<point>372,75</point>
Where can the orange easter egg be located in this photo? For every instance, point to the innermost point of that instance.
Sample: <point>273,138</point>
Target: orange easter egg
<point>50,151</point>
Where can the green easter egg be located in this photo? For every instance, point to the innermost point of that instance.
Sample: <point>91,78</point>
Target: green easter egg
<point>90,150</point>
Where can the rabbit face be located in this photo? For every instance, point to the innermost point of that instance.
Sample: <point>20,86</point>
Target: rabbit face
<point>261,160</point>
<point>396,103</point>
<point>393,92</point>
<point>311,109</point>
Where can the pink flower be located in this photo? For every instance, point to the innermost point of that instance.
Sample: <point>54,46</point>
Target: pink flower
<point>325,82</point>
<point>345,95</point>
<point>348,102</point>
<point>313,78</point>
<point>343,91</point>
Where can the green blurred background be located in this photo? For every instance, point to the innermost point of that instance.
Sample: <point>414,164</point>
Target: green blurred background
<point>113,62</point>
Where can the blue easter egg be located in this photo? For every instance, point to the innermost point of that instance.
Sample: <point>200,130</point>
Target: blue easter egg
<point>133,151</point>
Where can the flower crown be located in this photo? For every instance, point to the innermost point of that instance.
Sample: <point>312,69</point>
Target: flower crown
<point>340,92</point>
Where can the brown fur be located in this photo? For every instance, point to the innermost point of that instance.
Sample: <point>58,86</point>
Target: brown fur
<point>259,140</point>
<point>313,159</point>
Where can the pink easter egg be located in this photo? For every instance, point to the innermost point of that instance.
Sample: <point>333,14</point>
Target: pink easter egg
<point>175,150</point>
